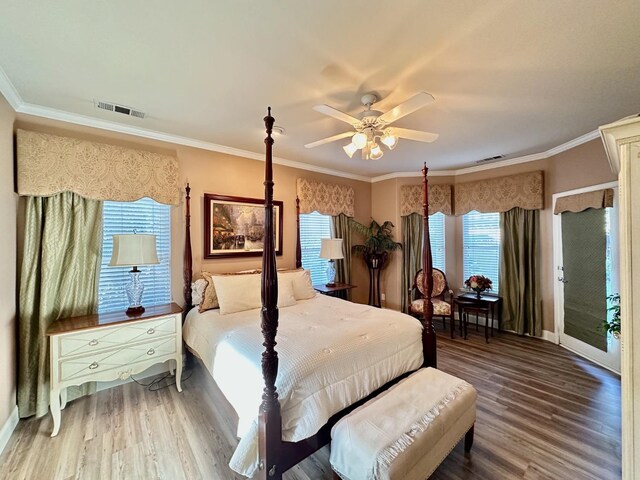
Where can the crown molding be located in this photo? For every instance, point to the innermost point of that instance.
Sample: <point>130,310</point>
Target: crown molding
<point>503,163</point>
<point>9,91</point>
<point>77,119</point>
<point>20,106</point>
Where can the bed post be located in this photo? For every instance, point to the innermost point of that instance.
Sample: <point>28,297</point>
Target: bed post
<point>187,267</point>
<point>298,246</point>
<point>428,333</point>
<point>270,422</point>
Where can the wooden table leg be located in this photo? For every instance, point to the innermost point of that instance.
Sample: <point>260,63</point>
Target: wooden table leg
<point>486,325</point>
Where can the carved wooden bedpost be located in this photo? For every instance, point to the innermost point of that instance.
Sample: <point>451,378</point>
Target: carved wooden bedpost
<point>270,423</point>
<point>187,261</point>
<point>428,332</point>
<point>298,246</point>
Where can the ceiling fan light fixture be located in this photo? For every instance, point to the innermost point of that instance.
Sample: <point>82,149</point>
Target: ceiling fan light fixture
<point>359,140</point>
<point>376,152</point>
<point>389,139</point>
<point>350,149</point>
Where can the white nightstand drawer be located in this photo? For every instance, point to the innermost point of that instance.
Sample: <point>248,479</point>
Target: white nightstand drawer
<point>105,338</point>
<point>97,362</point>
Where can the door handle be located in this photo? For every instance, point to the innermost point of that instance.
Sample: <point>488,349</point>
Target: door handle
<point>561,279</point>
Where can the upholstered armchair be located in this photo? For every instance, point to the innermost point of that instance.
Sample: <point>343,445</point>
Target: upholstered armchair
<point>441,306</point>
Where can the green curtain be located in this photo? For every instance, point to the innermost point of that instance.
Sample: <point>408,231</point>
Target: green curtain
<point>59,278</point>
<point>412,228</point>
<point>520,271</point>
<point>341,229</point>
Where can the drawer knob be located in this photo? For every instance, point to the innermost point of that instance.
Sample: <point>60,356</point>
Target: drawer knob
<point>151,351</point>
<point>93,343</point>
<point>93,366</point>
<point>151,331</point>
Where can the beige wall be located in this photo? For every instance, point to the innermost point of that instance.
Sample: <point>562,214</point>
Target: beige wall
<point>8,208</point>
<point>212,172</point>
<point>579,167</point>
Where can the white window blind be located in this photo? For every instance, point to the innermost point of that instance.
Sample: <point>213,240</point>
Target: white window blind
<point>436,235</point>
<point>143,216</point>
<point>313,227</point>
<point>481,246</point>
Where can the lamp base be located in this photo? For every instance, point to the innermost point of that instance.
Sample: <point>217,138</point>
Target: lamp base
<point>331,273</point>
<point>135,311</point>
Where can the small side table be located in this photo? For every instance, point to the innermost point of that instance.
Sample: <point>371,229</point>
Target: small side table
<point>333,291</point>
<point>492,303</point>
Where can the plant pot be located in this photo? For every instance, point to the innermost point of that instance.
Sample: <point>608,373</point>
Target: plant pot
<point>375,261</point>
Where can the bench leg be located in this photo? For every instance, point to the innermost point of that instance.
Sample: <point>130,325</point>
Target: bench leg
<point>468,439</point>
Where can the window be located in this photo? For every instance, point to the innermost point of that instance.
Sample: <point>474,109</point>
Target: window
<point>313,227</point>
<point>436,235</point>
<point>481,246</point>
<point>143,216</point>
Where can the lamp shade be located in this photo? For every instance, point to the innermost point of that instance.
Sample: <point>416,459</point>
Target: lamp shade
<point>331,248</point>
<point>133,250</point>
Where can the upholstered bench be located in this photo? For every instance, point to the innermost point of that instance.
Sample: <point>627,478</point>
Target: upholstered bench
<point>406,431</point>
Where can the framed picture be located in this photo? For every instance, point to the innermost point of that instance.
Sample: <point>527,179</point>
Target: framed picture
<point>234,226</point>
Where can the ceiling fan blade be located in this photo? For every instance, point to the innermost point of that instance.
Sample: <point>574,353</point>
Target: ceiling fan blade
<point>414,134</point>
<point>337,114</point>
<point>416,102</point>
<point>329,139</point>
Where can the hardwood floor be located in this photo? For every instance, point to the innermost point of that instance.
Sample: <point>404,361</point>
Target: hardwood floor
<point>543,413</point>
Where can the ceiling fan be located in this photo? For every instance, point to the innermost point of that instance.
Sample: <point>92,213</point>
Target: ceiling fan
<point>373,125</point>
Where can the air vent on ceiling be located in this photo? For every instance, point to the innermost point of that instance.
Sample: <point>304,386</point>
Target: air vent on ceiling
<point>113,107</point>
<point>490,159</point>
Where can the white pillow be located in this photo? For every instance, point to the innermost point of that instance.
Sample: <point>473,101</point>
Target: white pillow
<point>302,287</point>
<point>237,293</point>
<point>286,296</point>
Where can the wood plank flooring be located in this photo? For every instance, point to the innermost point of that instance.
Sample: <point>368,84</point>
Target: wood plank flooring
<point>543,413</point>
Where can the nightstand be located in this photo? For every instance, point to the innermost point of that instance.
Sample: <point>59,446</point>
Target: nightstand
<point>333,291</point>
<point>111,346</point>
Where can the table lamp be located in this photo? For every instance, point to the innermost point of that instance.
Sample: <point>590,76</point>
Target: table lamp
<point>331,249</point>
<point>131,251</point>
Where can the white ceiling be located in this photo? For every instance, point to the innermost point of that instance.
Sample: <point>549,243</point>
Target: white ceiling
<point>509,77</point>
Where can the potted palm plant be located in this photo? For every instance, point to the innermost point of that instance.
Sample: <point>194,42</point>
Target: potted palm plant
<point>378,242</point>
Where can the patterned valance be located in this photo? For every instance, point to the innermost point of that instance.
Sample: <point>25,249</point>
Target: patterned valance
<point>501,194</point>
<point>325,198</point>
<point>582,201</point>
<point>411,199</point>
<point>50,164</point>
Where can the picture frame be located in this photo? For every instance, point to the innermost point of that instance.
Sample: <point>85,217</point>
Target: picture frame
<point>234,226</point>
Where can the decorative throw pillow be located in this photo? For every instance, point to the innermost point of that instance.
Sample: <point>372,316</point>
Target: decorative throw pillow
<point>197,291</point>
<point>237,293</point>
<point>286,297</point>
<point>209,296</point>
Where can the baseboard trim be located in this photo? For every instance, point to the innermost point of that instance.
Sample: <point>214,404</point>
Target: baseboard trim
<point>8,428</point>
<point>550,336</point>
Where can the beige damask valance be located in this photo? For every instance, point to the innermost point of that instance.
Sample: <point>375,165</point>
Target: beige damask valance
<point>582,201</point>
<point>325,198</point>
<point>411,199</point>
<point>501,194</point>
<point>50,164</point>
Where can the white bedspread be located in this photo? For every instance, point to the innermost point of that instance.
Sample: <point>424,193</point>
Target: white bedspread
<point>332,353</point>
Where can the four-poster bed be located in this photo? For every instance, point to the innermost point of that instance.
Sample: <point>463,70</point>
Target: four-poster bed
<point>275,454</point>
